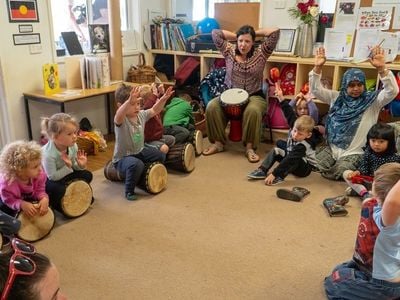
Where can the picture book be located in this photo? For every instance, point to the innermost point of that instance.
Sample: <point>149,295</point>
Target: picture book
<point>51,79</point>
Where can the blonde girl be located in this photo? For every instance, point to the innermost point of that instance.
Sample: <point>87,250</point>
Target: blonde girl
<point>62,161</point>
<point>22,180</point>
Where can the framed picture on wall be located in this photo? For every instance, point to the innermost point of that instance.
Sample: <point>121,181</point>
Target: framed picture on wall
<point>287,41</point>
<point>22,11</point>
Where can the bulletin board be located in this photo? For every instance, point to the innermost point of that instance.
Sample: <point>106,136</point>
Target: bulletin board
<point>231,16</point>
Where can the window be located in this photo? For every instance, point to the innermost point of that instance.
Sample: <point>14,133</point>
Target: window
<point>75,15</point>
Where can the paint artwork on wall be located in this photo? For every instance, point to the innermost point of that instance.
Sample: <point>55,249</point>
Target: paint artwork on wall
<point>22,11</point>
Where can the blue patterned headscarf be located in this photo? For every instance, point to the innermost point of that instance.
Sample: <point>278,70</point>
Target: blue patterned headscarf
<point>345,115</point>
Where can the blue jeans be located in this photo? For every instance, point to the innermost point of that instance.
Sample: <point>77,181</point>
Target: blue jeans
<point>131,167</point>
<point>347,281</point>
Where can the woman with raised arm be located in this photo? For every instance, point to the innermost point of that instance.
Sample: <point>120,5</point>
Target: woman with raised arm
<point>245,65</point>
<point>353,110</point>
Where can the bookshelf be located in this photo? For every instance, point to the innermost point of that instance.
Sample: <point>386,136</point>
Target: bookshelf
<point>206,59</point>
<point>332,69</point>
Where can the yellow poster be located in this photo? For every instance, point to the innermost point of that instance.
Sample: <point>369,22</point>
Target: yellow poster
<point>51,79</point>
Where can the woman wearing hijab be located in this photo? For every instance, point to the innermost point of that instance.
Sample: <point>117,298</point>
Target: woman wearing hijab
<point>353,111</point>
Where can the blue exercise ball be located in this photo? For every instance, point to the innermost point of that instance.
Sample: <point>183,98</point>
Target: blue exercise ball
<point>205,26</point>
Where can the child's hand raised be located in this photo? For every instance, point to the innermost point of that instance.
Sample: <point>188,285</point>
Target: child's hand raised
<point>168,93</point>
<point>279,92</point>
<point>29,208</point>
<point>81,158</point>
<point>134,95</point>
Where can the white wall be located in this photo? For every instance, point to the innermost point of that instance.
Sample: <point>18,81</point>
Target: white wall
<point>22,72</point>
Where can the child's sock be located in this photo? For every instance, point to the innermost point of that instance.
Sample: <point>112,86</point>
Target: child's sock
<point>131,197</point>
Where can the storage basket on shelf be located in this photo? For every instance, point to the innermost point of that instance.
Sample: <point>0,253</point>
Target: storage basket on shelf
<point>87,145</point>
<point>141,73</point>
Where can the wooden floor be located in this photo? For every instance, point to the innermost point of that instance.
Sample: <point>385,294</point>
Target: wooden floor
<point>98,161</point>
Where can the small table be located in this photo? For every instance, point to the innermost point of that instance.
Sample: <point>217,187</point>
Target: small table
<point>64,96</point>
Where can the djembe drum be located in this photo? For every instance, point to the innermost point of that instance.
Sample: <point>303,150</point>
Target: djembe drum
<point>37,227</point>
<point>77,199</point>
<point>153,180</point>
<point>181,157</point>
<point>234,102</point>
<point>197,142</point>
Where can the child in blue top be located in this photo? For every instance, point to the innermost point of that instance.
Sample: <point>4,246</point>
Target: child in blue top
<point>380,149</point>
<point>130,153</point>
<point>373,272</point>
<point>62,161</point>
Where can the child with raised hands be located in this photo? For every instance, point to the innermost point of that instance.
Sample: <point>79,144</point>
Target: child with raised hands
<point>373,272</point>
<point>380,149</point>
<point>130,153</point>
<point>62,161</point>
<point>22,180</point>
<point>154,129</point>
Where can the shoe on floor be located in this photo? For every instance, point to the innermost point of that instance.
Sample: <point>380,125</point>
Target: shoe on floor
<point>350,192</point>
<point>131,197</point>
<point>296,194</point>
<point>339,200</point>
<point>252,156</point>
<point>257,174</point>
<point>334,209</point>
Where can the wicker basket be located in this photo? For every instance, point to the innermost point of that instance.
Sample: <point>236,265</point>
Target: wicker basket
<point>200,122</point>
<point>89,146</point>
<point>141,73</point>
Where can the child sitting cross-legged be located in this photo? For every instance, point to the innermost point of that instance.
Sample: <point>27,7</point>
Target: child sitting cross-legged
<point>373,272</point>
<point>380,149</point>
<point>298,158</point>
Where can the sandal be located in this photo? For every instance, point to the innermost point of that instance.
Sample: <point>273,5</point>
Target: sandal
<point>252,156</point>
<point>212,149</point>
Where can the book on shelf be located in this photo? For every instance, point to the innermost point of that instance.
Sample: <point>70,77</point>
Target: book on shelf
<point>168,36</point>
<point>51,78</point>
<point>88,72</point>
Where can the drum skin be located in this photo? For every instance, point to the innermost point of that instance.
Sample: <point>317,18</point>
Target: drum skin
<point>37,227</point>
<point>197,142</point>
<point>77,199</point>
<point>181,157</point>
<point>154,178</point>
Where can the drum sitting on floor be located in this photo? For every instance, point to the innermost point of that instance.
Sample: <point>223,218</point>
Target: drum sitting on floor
<point>181,157</point>
<point>234,102</point>
<point>154,178</point>
<point>77,199</point>
<point>37,227</point>
<point>197,141</point>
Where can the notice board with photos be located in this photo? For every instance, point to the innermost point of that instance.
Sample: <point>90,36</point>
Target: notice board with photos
<point>231,16</point>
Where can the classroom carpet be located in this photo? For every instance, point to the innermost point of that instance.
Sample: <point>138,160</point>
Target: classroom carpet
<point>211,234</point>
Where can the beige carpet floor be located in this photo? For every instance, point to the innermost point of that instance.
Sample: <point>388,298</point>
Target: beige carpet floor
<point>211,234</point>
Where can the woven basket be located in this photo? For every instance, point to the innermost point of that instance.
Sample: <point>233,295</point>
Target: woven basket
<point>141,73</point>
<point>200,122</point>
<point>87,145</point>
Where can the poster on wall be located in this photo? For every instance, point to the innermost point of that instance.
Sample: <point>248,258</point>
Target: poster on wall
<point>22,11</point>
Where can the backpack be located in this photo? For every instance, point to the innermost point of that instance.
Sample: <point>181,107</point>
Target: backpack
<point>188,67</point>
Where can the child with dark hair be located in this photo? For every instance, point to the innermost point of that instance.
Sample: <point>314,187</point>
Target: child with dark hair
<point>380,149</point>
